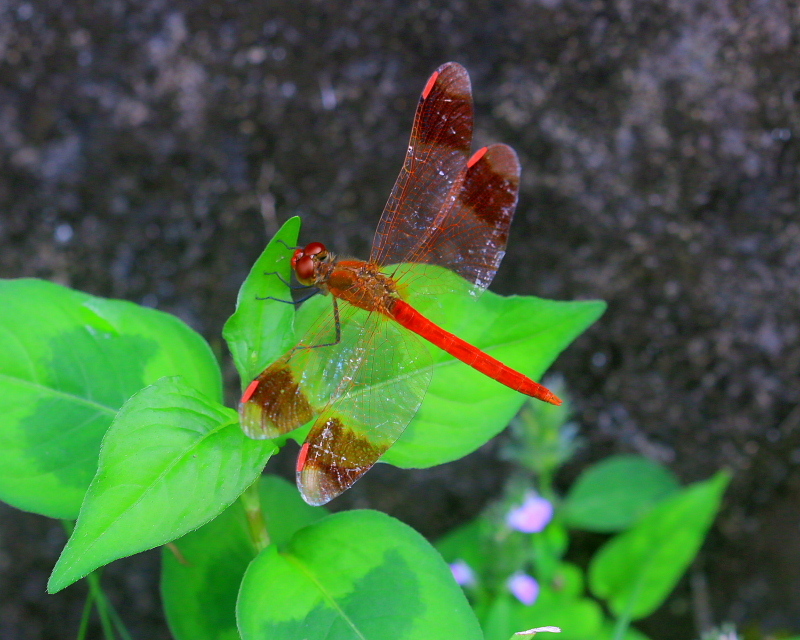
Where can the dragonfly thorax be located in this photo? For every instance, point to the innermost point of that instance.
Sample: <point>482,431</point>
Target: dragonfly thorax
<point>360,283</point>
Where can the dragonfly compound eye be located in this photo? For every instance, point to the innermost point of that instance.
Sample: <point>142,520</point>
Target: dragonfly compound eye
<point>315,249</point>
<point>304,268</point>
<point>298,253</point>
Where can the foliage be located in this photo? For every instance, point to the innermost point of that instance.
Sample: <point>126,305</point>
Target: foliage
<point>112,413</point>
<point>511,560</point>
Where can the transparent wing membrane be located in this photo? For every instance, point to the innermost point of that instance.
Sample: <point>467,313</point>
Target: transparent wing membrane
<point>437,153</point>
<point>388,376</point>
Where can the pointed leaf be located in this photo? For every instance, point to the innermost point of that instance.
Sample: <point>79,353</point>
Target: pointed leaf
<point>463,408</point>
<point>353,575</point>
<point>637,570</point>
<point>171,461</point>
<point>525,333</point>
<point>261,330</point>
<point>578,618</point>
<point>68,361</point>
<point>611,495</point>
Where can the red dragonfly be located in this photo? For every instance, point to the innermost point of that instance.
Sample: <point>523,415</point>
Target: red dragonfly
<point>363,371</point>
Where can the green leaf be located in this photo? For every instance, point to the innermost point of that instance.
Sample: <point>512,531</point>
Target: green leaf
<point>578,618</point>
<point>171,461</point>
<point>261,330</point>
<point>353,575</point>
<point>466,543</point>
<point>636,570</point>
<point>549,547</point>
<point>613,494</point>
<point>199,590</point>
<point>463,408</point>
<point>68,361</point>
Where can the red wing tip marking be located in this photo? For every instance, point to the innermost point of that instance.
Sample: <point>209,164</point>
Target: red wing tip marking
<point>251,389</point>
<point>301,458</point>
<point>477,156</point>
<point>431,81</point>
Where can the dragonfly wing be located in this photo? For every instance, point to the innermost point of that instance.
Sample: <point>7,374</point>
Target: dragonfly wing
<point>387,377</point>
<point>297,386</point>
<point>274,403</point>
<point>470,234</point>
<point>437,154</point>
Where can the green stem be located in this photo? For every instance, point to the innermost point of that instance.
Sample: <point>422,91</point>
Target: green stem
<point>255,516</point>
<point>118,624</point>
<point>624,621</point>
<point>87,610</point>
<point>546,485</point>
<point>109,619</point>
<point>102,605</point>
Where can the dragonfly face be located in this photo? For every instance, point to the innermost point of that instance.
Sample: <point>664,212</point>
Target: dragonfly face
<point>305,262</point>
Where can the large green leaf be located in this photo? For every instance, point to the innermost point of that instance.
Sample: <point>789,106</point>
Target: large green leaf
<point>463,408</point>
<point>636,570</point>
<point>579,618</point>
<point>353,575</point>
<point>171,461</point>
<point>68,361</point>
<point>261,330</point>
<point>611,495</point>
<point>199,588</point>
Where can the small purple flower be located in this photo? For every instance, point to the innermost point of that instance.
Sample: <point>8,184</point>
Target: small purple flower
<point>524,587</point>
<point>463,573</point>
<point>533,516</point>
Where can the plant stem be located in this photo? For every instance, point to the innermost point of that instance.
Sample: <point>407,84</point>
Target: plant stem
<point>109,619</point>
<point>255,517</point>
<point>87,610</point>
<point>624,621</point>
<point>102,605</point>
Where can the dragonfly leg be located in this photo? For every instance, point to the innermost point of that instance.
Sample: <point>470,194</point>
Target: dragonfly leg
<point>303,299</point>
<point>338,327</point>
<point>293,287</point>
<point>286,245</point>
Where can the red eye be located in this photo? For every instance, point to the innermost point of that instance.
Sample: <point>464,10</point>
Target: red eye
<point>315,248</point>
<point>304,268</point>
<point>298,253</point>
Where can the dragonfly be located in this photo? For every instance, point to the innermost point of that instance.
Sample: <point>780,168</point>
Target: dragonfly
<point>362,371</point>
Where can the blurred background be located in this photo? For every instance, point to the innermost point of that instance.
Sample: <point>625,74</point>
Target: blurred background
<point>148,150</point>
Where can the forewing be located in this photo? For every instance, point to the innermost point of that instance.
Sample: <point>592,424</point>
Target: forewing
<point>433,167</point>
<point>387,379</point>
<point>470,236</point>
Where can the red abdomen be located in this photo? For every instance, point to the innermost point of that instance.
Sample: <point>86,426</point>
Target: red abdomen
<point>414,321</point>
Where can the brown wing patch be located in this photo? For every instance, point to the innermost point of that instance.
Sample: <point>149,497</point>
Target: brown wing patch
<point>470,236</point>
<point>444,116</point>
<point>332,459</point>
<point>490,191</point>
<point>274,404</point>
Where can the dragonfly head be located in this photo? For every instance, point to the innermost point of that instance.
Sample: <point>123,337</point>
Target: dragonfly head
<point>306,260</point>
